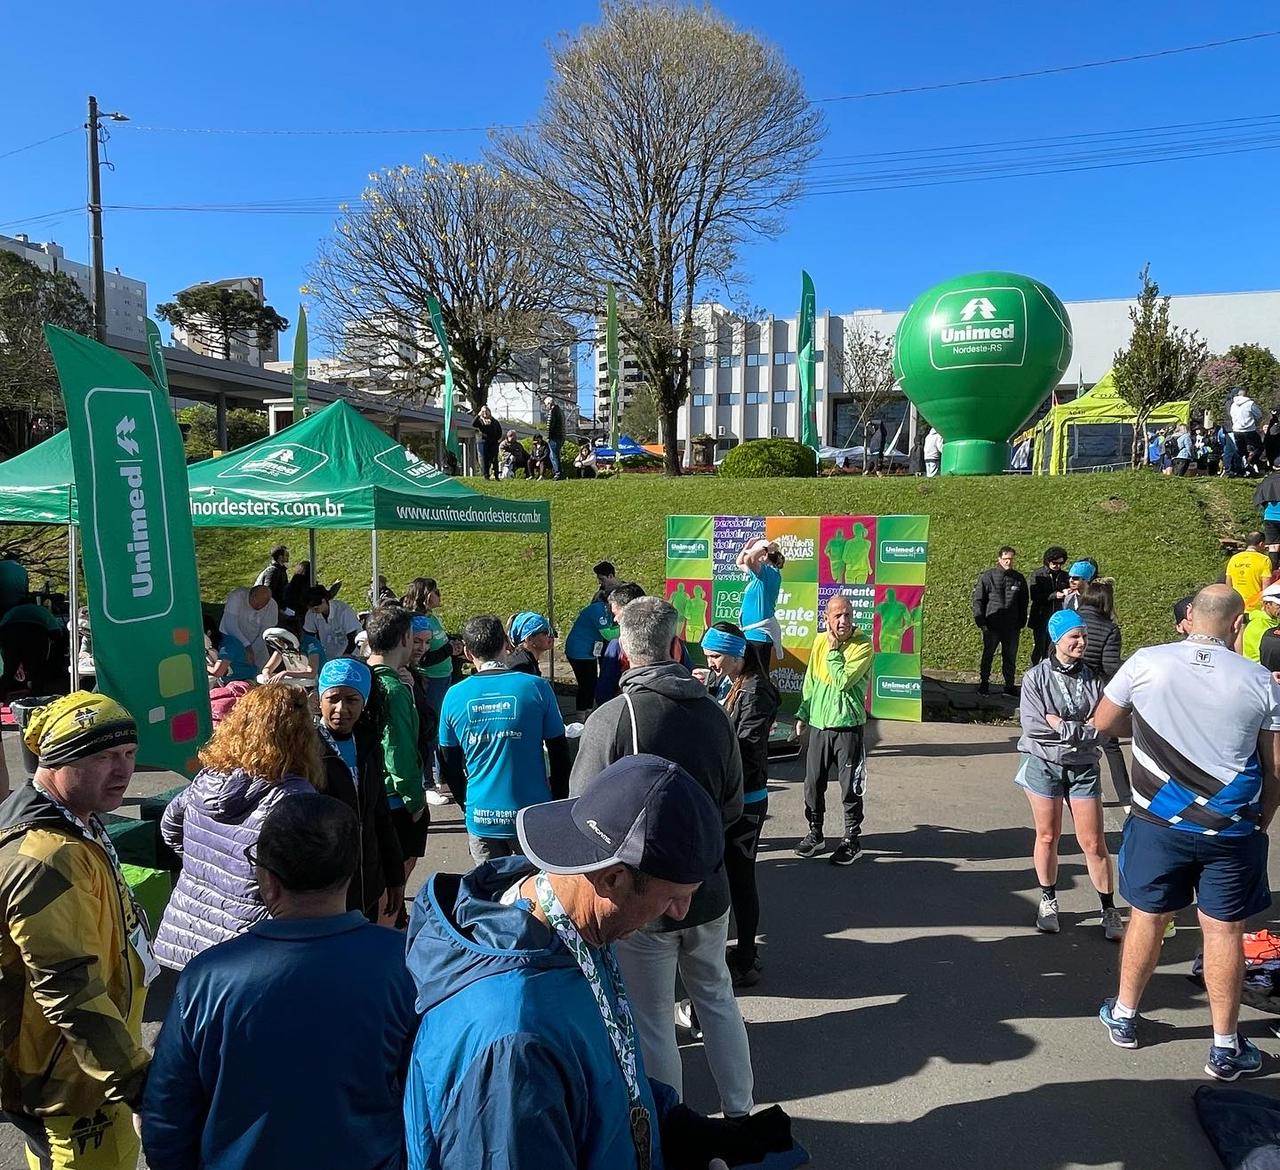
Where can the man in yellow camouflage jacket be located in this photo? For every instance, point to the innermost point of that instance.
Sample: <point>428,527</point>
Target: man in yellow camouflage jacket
<point>74,957</point>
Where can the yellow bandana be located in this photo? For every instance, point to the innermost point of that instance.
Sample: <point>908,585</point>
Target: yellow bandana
<point>78,725</point>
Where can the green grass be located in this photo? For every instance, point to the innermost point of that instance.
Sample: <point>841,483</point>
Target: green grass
<point>1156,535</point>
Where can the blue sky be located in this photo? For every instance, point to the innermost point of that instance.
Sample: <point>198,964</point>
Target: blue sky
<point>1206,224</point>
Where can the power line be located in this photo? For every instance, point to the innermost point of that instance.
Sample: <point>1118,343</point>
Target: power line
<point>41,141</point>
<point>1048,70</point>
<point>37,220</point>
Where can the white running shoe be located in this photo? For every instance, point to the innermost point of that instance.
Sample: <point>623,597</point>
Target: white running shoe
<point>1047,915</point>
<point>438,796</point>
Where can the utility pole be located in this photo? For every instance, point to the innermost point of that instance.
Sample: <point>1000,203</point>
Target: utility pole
<point>95,227</point>
<point>92,128</point>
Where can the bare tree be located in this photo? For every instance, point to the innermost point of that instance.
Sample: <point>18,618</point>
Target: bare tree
<point>669,137</point>
<point>864,366</point>
<point>1161,363</point>
<point>463,234</point>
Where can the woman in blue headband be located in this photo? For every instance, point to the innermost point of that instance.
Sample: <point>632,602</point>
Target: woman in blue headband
<point>351,751</point>
<point>1060,749</point>
<point>743,687</point>
<point>531,637</point>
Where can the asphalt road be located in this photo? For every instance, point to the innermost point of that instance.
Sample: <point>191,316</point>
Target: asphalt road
<point>910,1015</point>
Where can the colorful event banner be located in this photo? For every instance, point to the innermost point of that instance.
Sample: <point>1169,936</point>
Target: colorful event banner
<point>806,362</point>
<point>878,562</point>
<point>155,349</point>
<point>138,548</point>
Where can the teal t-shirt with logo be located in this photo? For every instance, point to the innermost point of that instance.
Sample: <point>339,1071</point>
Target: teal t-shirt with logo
<point>500,718</point>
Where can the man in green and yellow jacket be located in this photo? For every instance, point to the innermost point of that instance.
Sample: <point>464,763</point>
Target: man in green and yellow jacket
<point>74,955</point>
<point>833,707</point>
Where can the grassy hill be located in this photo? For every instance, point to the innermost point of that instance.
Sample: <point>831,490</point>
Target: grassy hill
<point>1156,535</point>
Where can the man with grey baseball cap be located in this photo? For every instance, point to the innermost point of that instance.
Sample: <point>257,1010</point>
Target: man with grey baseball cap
<point>527,1052</point>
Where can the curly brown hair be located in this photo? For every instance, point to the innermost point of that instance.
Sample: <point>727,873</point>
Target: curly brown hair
<point>269,734</point>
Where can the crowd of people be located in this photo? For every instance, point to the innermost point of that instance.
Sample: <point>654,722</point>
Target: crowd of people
<point>1244,446</point>
<point>528,1011</point>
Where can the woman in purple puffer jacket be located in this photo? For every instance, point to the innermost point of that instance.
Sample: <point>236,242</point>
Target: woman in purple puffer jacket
<point>265,750</point>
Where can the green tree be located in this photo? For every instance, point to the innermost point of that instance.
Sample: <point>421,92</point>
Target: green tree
<point>217,316</point>
<point>244,426</point>
<point>1160,364</point>
<point>463,234</point>
<point>668,139</point>
<point>30,401</point>
<point>640,418</point>
<point>1260,372</point>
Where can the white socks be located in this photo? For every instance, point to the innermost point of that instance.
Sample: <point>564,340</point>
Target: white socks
<point>1120,1012</point>
<point>1227,1041</point>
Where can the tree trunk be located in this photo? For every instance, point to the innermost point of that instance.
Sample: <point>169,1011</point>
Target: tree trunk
<point>1141,441</point>
<point>670,452</point>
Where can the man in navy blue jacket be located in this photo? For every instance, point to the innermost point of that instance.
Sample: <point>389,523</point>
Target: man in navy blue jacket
<point>289,1045</point>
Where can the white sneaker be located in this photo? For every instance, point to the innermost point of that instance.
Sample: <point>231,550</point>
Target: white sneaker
<point>438,796</point>
<point>1112,925</point>
<point>1047,915</point>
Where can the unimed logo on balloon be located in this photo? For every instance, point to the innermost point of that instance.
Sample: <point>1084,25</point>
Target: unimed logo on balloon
<point>978,327</point>
<point>891,686</point>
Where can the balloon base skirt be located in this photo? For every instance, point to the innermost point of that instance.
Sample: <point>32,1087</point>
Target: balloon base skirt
<point>974,457</point>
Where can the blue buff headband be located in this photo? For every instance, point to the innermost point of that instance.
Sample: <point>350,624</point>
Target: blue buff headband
<point>421,624</point>
<point>526,623</point>
<point>720,642</point>
<point>345,672</point>
<point>1082,570</point>
<point>1063,622</point>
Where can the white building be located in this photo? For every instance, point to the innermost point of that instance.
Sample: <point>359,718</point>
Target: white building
<point>244,347</point>
<point>535,374</point>
<point>126,297</point>
<point>745,384</point>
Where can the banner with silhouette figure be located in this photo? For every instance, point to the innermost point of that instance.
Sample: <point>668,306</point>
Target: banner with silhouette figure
<point>877,562</point>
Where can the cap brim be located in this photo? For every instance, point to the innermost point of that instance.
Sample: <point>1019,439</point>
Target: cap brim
<point>554,843</point>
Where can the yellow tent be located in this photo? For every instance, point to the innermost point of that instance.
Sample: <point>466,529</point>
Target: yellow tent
<point>1095,432</point>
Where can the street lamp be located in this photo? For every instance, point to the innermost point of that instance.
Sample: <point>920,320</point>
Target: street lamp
<point>92,127</point>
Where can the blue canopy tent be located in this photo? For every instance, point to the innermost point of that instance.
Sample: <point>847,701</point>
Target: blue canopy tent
<point>628,448</point>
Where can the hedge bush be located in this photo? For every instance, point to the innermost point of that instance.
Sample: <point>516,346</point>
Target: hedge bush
<point>770,459</point>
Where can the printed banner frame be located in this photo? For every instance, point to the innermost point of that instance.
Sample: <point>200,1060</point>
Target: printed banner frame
<point>878,562</point>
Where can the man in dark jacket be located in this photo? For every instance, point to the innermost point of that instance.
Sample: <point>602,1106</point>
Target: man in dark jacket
<point>276,575</point>
<point>555,433</point>
<point>1047,588</point>
<point>1000,612</point>
<point>664,710</point>
<point>351,752</point>
<point>315,985</point>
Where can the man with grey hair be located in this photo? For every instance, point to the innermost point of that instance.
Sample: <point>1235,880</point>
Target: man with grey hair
<point>1206,785</point>
<point>664,711</point>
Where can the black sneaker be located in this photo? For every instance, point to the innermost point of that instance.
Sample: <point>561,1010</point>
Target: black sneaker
<point>747,975</point>
<point>847,852</point>
<point>813,843</point>
<point>984,688</point>
<point>1012,692</point>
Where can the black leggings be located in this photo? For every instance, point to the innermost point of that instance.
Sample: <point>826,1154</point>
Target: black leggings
<point>587,673</point>
<point>741,841</point>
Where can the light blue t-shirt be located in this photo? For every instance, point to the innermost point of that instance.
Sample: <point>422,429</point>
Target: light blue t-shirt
<point>500,718</point>
<point>759,600</point>
<point>585,631</point>
<point>1271,511</point>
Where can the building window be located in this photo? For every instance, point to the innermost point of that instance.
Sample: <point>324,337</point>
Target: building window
<point>757,359</point>
<point>702,400</point>
<point>784,359</point>
<point>730,361</point>
<point>755,398</point>
<point>784,396</point>
<point>704,363</point>
<point>817,355</point>
<point>726,399</point>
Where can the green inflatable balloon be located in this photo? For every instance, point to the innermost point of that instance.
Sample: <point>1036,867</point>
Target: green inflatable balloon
<point>977,355</point>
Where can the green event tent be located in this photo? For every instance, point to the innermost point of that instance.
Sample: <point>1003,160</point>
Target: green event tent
<point>335,469</point>
<point>38,486</point>
<point>1095,432</point>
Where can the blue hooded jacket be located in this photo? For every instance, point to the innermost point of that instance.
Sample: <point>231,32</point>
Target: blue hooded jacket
<point>512,1068</point>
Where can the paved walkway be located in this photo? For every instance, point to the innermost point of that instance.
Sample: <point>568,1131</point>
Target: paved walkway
<point>910,1015</point>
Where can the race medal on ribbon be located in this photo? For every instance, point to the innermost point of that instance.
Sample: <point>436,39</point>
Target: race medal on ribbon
<point>641,1136</point>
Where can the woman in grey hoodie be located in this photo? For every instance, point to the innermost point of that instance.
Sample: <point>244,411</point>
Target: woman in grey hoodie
<point>1059,749</point>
